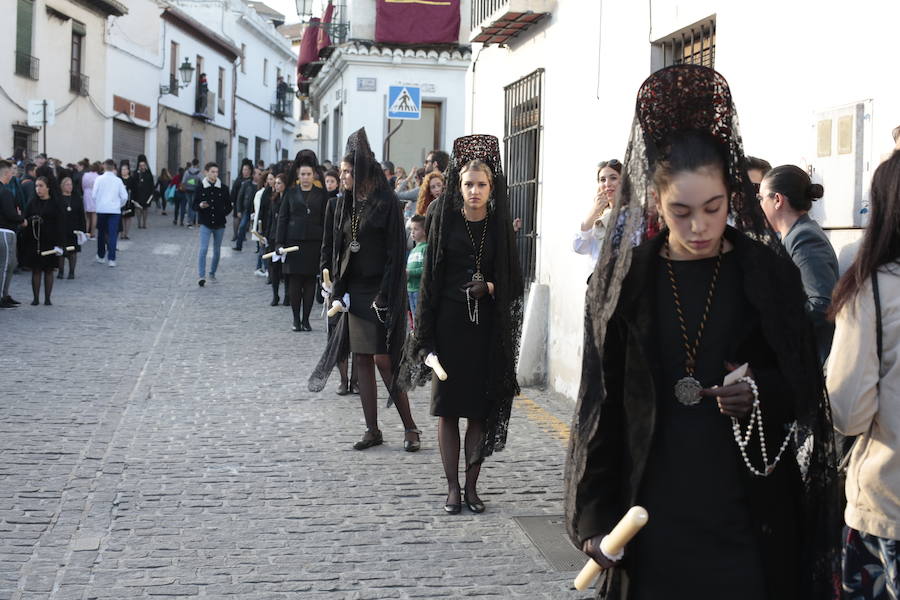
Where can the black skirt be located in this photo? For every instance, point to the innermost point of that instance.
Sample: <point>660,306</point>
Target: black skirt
<point>367,334</point>
<point>463,349</point>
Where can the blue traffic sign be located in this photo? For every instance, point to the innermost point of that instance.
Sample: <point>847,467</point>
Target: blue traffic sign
<point>404,102</point>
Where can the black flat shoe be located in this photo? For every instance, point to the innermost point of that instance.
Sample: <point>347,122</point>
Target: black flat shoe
<point>71,276</point>
<point>275,301</point>
<point>305,326</point>
<point>476,506</point>
<point>35,302</point>
<point>343,390</point>
<point>354,389</point>
<point>296,327</point>
<point>452,509</point>
<point>47,302</point>
<point>369,439</point>
<point>413,445</point>
<point>61,275</point>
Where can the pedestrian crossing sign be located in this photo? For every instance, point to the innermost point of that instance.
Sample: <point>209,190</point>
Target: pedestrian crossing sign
<point>404,102</point>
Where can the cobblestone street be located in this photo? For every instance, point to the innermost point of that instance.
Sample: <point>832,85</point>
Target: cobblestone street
<point>157,440</point>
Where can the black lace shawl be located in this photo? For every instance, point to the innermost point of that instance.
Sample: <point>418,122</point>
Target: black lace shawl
<point>694,98</point>
<point>383,211</point>
<point>508,291</point>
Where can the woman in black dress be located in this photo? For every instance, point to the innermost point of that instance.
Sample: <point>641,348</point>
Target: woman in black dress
<point>469,314</point>
<point>348,384</point>
<point>144,189</point>
<point>369,250</point>
<point>271,208</point>
<point>43,231</point>
<point>739,479</point>
<point>73,209</point>
<point>128,179</point>
<point>300,223</point>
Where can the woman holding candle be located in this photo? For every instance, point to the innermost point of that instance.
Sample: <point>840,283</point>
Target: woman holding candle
<point>469,315</point>
<point>73,209</point>
<point>369,259</point>
<point>739,479</point>
<point>43,232</point>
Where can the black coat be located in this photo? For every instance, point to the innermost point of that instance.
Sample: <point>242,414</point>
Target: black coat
<point>784,365</point>
<point>301,223</point>
<point>9,213</point>
<point>219,203</point>
<point>142,186</point>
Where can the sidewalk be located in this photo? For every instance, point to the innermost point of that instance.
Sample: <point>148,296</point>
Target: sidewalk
<point>157,440</point>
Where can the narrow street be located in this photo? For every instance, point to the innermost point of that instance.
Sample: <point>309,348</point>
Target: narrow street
<point>157,440</point>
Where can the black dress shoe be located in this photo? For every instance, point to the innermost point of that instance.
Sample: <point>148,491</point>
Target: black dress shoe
<point>286,301</point>
<point>35,302</point>
<point>11,301</point>
<point>47,302</point>
<point>7,304</point>
<point>71,276</point>
<point>369,439</point>
<point>275,301</point>
<point>343,390</point>
<point>296,327</point>
<point>305,326</point>
<point>61,275</point>
<point>476,506</point>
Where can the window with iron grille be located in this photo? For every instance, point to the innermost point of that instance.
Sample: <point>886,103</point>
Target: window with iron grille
<point>522,143</point>
<point>694,45</point>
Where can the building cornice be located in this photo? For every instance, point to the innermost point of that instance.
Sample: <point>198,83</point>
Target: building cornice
<point>185,22</point>
<point>111,8</point>
<point>454,58</point>
<point>270,37</point>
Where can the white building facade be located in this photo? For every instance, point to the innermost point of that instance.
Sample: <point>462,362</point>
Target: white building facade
<point>263,118</point>
<point>195,121</point>
<point>350,90</point>
<point>134,61</point>
<point>561,94</point>
<point>55,51</point>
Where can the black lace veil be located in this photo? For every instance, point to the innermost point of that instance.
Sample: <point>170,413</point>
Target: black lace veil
<point>671,101</point>
<point>508,298</point>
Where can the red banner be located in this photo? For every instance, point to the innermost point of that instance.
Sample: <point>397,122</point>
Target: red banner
<point>417,21</point>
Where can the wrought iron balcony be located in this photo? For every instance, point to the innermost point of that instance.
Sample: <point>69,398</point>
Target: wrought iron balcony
<point>27,65</point>
<point>283,107</point>
<point>79,83</point>
<point>499,21</point>
<point>205,106</point>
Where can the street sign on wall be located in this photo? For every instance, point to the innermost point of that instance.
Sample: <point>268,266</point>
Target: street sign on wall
<point>36,113</point>
<point>404,102</point>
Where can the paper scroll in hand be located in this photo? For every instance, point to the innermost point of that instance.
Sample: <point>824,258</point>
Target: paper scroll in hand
<point>432,361</point>
<point>81,237</point>
<point>58,251</point>
<point>338,307</point>
<point>613,544</point>
<point>282,253</point>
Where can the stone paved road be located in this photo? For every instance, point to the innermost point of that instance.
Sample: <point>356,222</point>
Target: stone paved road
<point>157,440</point>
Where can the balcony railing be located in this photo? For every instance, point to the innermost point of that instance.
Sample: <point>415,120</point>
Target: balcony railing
<point>283,107</point>
<point>79,83</point>
<point>205,106</point>
<point>27,65</point>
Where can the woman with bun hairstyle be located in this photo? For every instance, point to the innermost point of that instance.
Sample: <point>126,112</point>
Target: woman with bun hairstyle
<point>786,195</point>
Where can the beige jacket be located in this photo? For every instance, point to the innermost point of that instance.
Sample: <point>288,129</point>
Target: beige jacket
<point>866,402</point>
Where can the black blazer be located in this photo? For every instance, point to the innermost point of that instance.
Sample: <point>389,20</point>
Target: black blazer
<point>300,220</point>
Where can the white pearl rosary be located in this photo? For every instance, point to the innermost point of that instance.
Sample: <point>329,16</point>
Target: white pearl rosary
<point>744,440</point>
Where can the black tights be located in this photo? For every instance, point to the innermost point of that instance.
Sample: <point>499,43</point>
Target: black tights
<point>302,287</point>
<point>36,284</point>
<point>73,258</point>
<point>448,439</point>
<point>275,277</point>
<point>368,390</point>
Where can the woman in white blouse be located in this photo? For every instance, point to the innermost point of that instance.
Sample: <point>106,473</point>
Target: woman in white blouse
<point>589,240</point>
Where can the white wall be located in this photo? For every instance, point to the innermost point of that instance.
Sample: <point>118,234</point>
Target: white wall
<point>783,60</point>
<point>134,60</point>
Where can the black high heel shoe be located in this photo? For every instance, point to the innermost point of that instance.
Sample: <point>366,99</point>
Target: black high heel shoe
<point>476,506</point>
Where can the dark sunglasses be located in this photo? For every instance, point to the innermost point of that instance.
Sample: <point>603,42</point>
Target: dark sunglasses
<point>610,163</point>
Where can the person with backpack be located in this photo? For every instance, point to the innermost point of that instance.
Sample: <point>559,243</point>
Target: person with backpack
<point>189,184</point>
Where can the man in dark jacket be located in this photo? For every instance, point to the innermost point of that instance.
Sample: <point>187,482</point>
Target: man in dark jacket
<point>244,207</point>
<point>245,172</point>
<point>10,220</point>
<point>212,203</point>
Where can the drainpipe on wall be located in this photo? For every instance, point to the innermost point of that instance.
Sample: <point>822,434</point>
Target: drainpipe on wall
<point>234,71</point>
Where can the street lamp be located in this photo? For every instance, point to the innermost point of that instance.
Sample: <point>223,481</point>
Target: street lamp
<point>186,70</point>
<point>304,8</point>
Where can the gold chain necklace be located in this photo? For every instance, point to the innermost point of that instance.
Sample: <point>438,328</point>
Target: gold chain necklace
<point>478,276</point>
<point>687,389</point>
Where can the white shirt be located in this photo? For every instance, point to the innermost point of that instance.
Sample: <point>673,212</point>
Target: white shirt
<point>109,193</point>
